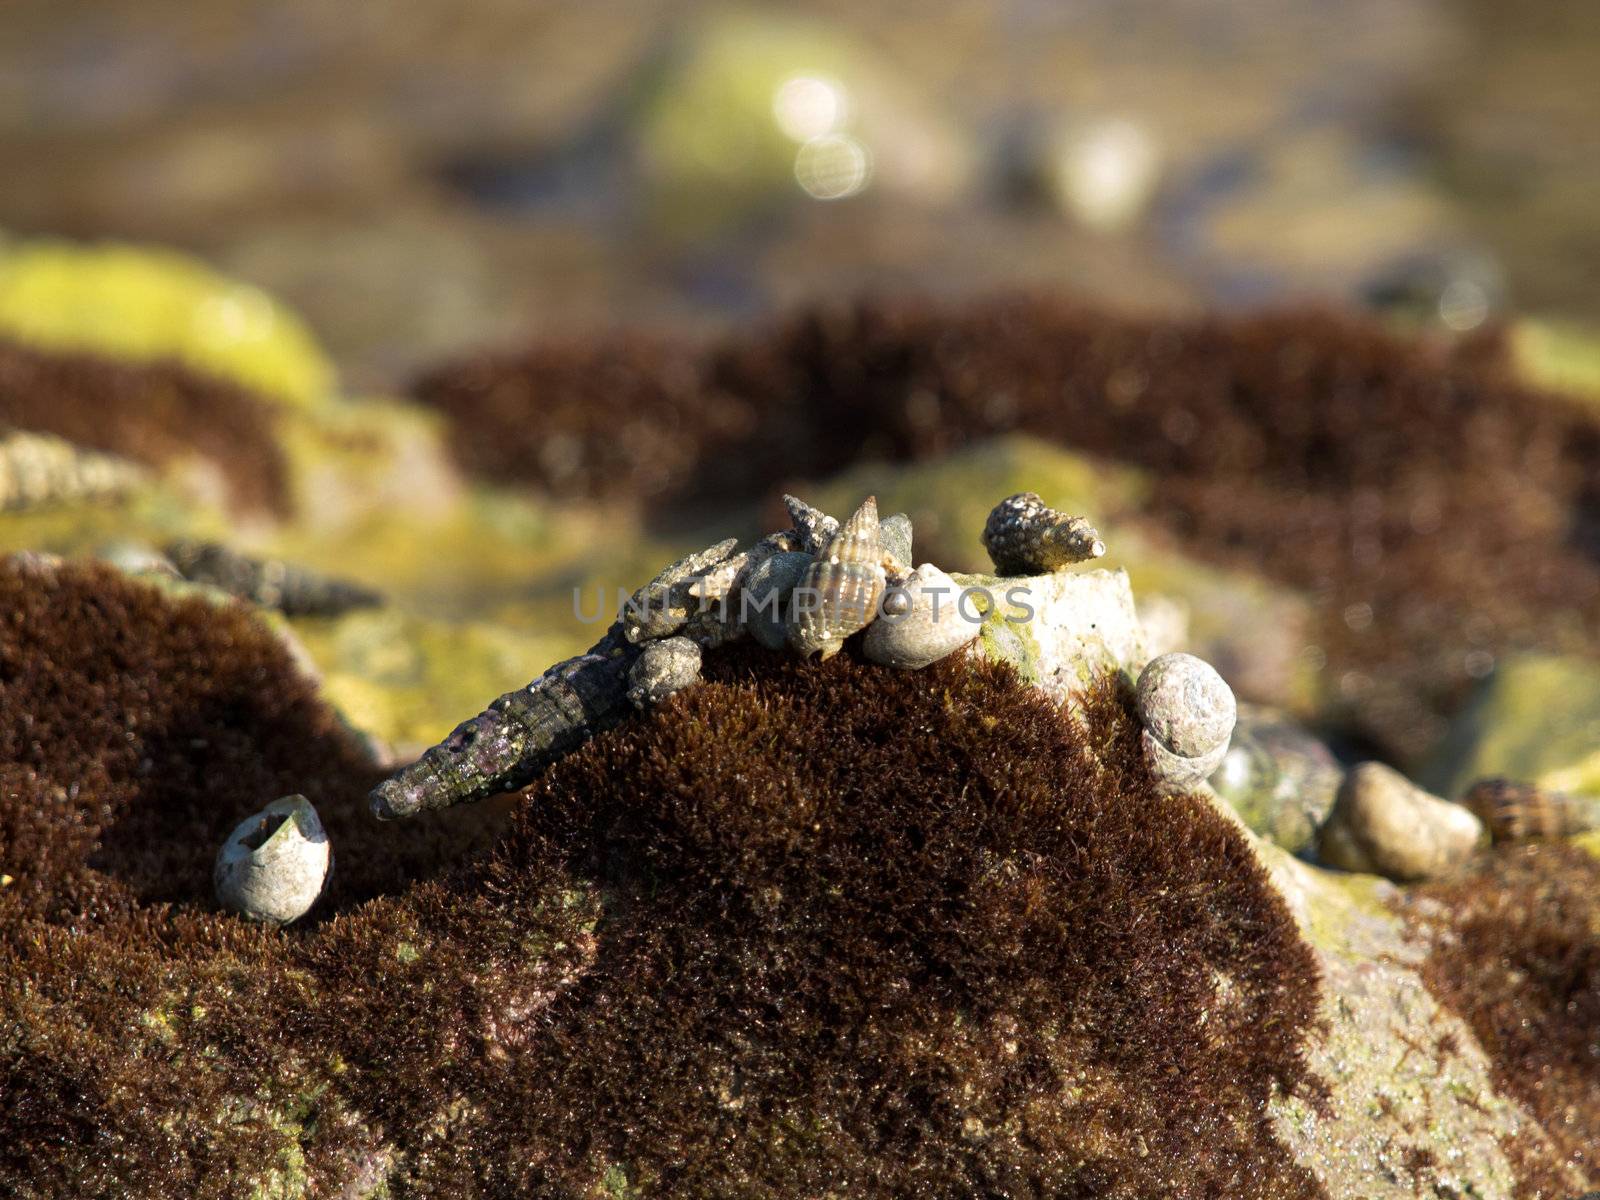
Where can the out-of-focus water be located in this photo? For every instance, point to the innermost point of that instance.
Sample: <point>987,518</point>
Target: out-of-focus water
<point>434,175</point>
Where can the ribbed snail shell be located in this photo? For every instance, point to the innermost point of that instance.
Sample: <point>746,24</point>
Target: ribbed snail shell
<point>1519,812</point>
<point>842,588</point>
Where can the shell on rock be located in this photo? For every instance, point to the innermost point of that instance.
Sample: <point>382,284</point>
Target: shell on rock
<point>506,745</point>
<point>663,668</point>
<point>1185,704</point>
<point>767,592</point>
<point>1516,812</point>
<point>661,607</point>
<point>1024,536</point>
<point>274,864</point>
<point>270,583</point>
<point>1175,772</point>
<point>719,582</point>
<point>842,588</point>
<point>896,534</point>
<point>921,622</point>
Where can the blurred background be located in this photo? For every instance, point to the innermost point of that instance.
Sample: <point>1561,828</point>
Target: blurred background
<point>416,178</point>
<point>461,306</point>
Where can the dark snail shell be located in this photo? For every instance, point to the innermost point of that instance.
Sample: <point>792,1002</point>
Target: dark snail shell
<point>1026,537</point>
<point>1519,812</point>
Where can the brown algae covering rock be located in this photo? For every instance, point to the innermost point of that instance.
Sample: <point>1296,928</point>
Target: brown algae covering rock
<point>1384,824</point>
<point>1036,969</point>
<point>157,414</point>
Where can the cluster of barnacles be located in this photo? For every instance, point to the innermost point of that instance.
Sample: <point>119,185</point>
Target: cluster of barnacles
<point>804,590</point>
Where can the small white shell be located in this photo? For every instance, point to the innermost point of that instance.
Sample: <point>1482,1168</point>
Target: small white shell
<point>274,864</point>
<point>921,622</point>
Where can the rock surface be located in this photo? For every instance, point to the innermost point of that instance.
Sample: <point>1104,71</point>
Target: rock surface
<point>1279,778</point>
<point>1384,824</point>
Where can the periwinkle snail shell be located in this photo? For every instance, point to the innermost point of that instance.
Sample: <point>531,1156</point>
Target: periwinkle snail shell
<point>1516,812</point>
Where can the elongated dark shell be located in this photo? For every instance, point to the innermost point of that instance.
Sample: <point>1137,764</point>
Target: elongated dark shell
<point>1518,812</point>
<point>516,737</point>
<point>270,583</point>
<point>1026,537</point>
<point>841,590</point>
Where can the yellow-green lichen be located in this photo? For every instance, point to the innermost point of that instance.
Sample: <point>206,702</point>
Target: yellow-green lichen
<point>1536,720</point>
<point>1556,356</point>
<point>147,303</point>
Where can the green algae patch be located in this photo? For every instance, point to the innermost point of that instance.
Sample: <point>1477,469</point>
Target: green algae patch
<point>146,303</point>
<point>1558,356</point>
<point>1535,720</point>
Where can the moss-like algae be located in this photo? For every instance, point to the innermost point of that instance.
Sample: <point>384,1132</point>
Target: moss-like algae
<point>1014,918</point>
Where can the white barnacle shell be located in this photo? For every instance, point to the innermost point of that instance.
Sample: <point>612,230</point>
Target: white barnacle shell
<point>921,622</point>
<point>840,592</point>
<point>274,864</point>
